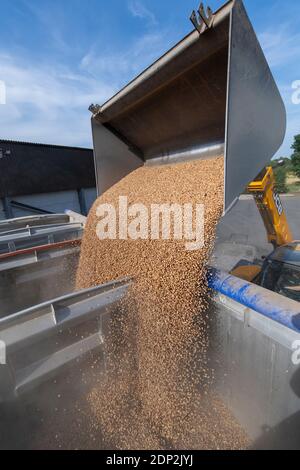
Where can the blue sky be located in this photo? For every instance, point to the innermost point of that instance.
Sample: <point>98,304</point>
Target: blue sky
<point>59,56</point>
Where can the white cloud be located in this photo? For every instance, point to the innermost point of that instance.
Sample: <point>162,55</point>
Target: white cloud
<point>48,104</point>
<point>139,10</point>
<point>52,19</point>
<point>119,67</point>
<point>282,46</point>
<point>2,92</point>
<point>293,119</point>
<point>293,128</point>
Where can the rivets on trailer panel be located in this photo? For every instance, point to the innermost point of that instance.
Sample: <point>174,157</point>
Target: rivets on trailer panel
<point>204,20</point>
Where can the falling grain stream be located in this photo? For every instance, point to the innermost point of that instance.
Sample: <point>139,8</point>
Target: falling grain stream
<point>158,392</point>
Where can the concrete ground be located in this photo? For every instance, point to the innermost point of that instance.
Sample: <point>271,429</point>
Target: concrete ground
<point>241,233</point>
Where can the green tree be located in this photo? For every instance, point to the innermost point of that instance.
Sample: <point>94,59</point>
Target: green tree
<point>280,178</point>
<point>296,155</point>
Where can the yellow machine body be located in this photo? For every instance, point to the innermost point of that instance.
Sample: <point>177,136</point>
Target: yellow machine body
<point>271,210</point>
<point>270,207</point>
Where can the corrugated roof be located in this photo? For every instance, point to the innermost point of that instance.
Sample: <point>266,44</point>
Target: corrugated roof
<point>19,142</point>
<point>32,168</point>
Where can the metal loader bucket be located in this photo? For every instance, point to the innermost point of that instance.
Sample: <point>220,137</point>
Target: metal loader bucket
<point>212,93</point>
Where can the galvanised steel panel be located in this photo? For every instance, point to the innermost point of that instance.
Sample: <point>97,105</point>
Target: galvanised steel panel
<point>255,373</point>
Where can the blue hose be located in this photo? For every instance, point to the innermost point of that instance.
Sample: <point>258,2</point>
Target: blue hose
<point>274,306</point>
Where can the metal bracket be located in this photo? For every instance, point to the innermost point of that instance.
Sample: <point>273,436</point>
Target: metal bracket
<point>95,109</point>
<point>204,20</point>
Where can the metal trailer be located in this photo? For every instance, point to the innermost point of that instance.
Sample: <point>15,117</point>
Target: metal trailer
<point>255,350</point>
<point>212,92</point>
<point>35,275</point>
<point>24,238</point>
<point>38,262</point>
<point>255,347</point>
<point>31,221</point>
<point>45,339</point>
